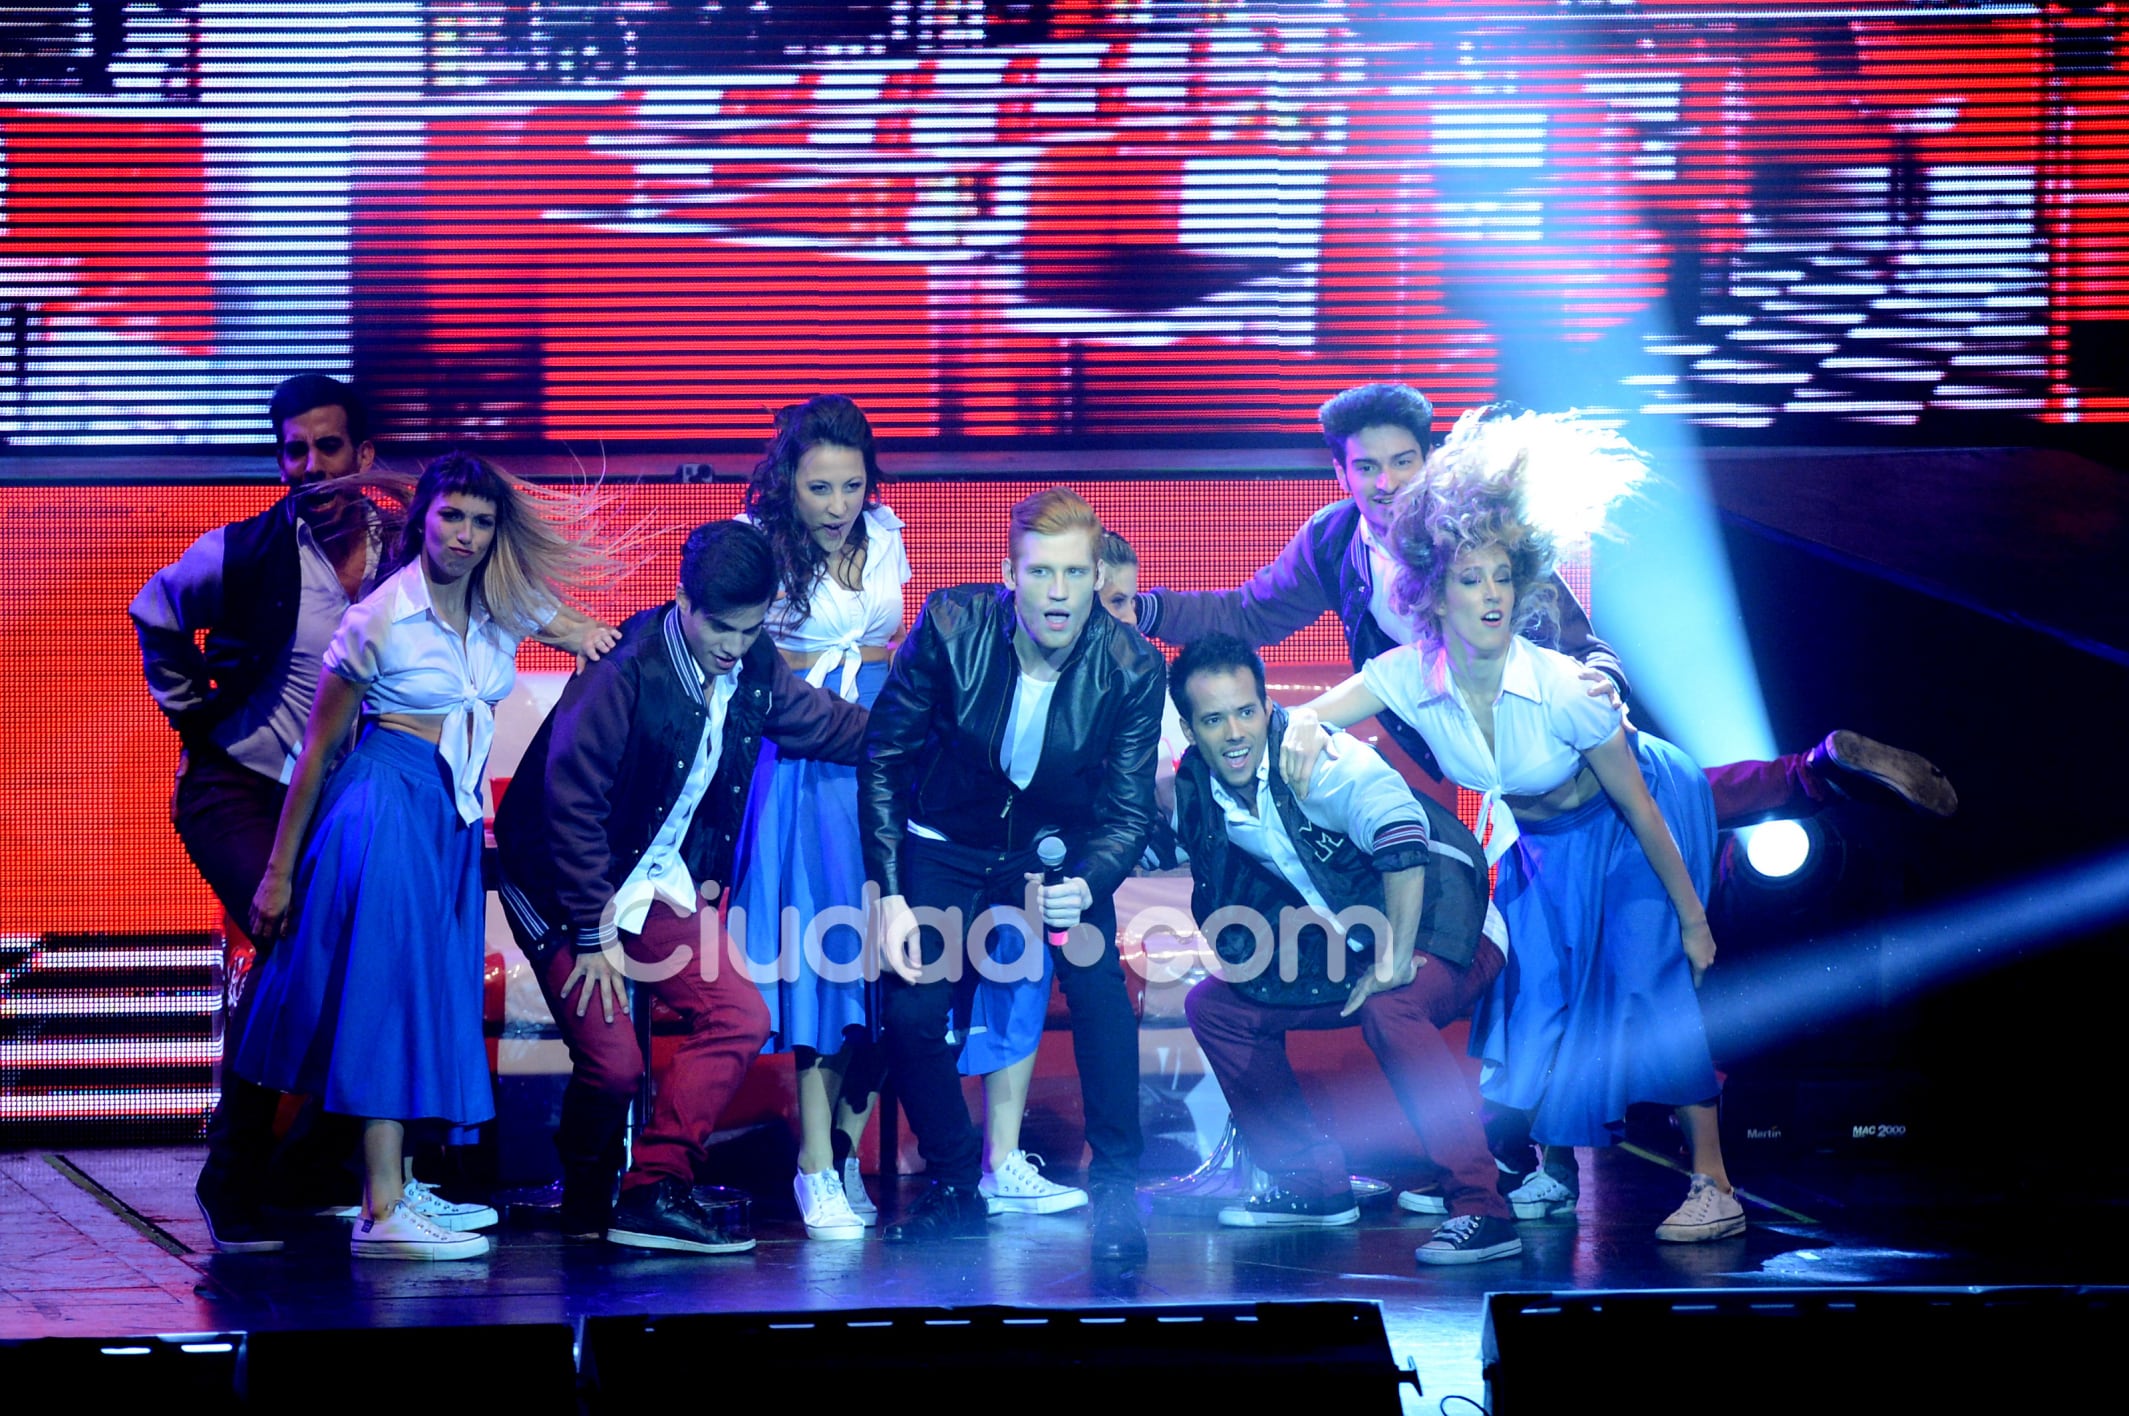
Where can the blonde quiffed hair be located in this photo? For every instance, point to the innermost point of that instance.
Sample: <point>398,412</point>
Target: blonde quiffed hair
<point>1052,512</point>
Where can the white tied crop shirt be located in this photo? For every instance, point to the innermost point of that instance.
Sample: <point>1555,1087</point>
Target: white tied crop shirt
<point>1543,720</point>
<point>840,622</point>
<point>398,650</point>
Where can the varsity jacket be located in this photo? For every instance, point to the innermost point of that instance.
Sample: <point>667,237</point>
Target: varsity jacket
<point>1388,829</point>
<point>934,748</point>
<point>1326,567</point>
<point>606,768</point>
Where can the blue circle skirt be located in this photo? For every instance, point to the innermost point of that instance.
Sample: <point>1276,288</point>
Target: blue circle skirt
<point>1596,1008</point>
<point>372,1001</point>
<point>799,852</point>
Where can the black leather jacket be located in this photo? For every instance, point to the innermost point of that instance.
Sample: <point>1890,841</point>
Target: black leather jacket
<point>938,728</point>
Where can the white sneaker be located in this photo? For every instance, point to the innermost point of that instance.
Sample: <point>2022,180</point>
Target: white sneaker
<point>443,1213</point>
<point>1421,1202</point>
<point>1017,1187</point>
<point>1708,1213</point>
<point>855,1196</point>
<point>822,1204</point>
<point>404,1234</point>
<point>453,1215</point>
<point>1541,1197</point>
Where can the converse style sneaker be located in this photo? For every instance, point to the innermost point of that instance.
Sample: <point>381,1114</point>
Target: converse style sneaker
<point>1017,1187</point>
<point>855,1195</point>
<point>1422,1202</point>
<point>1279,1208</point>
<point>1708,1213</point>
<point>1541,1197</point>
<point>454,1215</point>
<point>417,1196</point>
<point>1470,1239</point>
<point>822,1205</point>
<point>404,1234</point>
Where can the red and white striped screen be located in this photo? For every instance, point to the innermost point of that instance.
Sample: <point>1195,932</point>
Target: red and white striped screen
<point>641,220</point>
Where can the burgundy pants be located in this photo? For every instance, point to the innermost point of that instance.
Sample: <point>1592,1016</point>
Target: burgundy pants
<point>1245,1042</point>
<point>727,1022</point>
<point>1748,792</point>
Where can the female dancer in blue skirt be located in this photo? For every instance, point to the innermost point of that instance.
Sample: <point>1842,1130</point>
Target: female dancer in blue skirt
<point>1605,837</point>
<point>841,566</point>
<point>373,1001</point>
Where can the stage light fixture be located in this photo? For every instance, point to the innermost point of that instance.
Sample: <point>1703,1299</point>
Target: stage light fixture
<point>1778,850</point>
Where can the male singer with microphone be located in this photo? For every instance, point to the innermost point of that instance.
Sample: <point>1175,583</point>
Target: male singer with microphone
<point>1010,715</point>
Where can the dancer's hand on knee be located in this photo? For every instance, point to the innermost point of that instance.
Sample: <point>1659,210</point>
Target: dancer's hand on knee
<point>1371,983</point>
<point>896,936</point>
<point>598,976</point>
<point>1699,949</point>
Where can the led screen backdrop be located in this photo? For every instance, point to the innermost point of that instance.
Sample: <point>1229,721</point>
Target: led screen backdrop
<point>638,220</point>
<point>85,841</point>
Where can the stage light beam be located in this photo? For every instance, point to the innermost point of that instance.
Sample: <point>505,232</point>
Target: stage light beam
<point>1773,998</point>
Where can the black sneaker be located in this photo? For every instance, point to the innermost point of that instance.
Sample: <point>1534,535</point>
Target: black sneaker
<point>1279,1208</point>
<point>1854,766</point>
<point>235,1228</point>
<point>1114,1232</point>
<point>1470,1239</point>
<point>666,1216</point>
<point>942,1212</point>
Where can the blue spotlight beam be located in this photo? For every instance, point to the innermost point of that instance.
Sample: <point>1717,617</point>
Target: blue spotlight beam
<point>1772,999</point>
<point>1665,598</point>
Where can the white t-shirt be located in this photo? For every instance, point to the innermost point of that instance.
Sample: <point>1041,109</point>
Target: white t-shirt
<point>1543,720</point>
<point>1382,579</point>
<point>1024,734</point>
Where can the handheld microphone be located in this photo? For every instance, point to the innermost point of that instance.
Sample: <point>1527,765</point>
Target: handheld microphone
<point>1050,850</point>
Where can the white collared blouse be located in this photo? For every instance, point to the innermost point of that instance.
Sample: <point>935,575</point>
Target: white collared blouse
<point>1543,720</point>
<point>839,622</point>
<point>398,650</point>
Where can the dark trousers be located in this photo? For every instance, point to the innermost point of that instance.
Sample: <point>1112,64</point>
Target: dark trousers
<point>727,1022</point>
<point>1748,792</point>
<point>942,875</point>
<point>226,815</point>
<point>1245,1042</point>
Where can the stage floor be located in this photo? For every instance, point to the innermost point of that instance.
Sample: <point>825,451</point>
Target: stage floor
<point>107,1243</point>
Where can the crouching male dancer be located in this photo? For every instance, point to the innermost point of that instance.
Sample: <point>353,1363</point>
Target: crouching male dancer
<point>1010,715</point>
<point>1364,842</point>
<point>618,826</point>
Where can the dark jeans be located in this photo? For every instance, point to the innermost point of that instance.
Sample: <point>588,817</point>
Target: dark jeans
<point>226,815</point>
<point>1245,1043</point>
<point>942,875</point>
